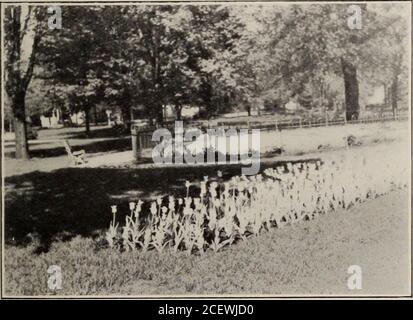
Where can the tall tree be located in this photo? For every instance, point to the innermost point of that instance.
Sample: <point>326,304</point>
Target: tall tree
<point>22,29</point>
<point>153,58</point>
<point>73,57</point>
<point>386,62</point>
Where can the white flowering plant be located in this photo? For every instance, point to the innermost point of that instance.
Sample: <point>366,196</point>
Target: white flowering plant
<point>234,210</point>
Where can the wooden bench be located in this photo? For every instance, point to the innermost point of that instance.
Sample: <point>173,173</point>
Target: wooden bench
<point>77,157</point>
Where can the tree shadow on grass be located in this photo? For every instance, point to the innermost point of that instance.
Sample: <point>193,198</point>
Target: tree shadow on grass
<point>76,201</point>
<point>69,202</point>
<point>58,149</point>
<point>97,132</point>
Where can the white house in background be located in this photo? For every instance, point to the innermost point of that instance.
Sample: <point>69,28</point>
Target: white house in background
<point>187,111</point>
<point>78,118</point>
<point>53,120</point>
<point>292,106</point>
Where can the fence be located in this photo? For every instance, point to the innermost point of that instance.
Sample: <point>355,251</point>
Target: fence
<point>141,139</point>
<point>142,136</point>
<point>308,122</point>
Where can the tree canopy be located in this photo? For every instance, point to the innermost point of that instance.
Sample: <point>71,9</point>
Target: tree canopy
<point>218,57</point>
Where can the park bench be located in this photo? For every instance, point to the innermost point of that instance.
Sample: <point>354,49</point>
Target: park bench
<point>77,157</point>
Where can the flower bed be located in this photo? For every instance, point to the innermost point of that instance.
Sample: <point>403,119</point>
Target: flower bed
<point>231,211</point>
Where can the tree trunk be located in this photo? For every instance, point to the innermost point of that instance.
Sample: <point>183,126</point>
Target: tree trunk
<point>126,116</point>
<point>178,112</point>
<point>87,120</point>
<point>351,90</point>
<point>20,126</point>
<point>95,115</point>
<point>18,81</point>
<point>394,94</point>
<point>159,115</point>
<point>386,96</point>
<point>20,131</point>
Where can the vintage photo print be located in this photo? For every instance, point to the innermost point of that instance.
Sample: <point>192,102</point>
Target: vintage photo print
<point>206,149</point>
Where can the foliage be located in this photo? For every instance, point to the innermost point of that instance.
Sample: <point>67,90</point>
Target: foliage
<point>218,57</point>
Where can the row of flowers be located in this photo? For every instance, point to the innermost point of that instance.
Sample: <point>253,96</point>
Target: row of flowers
<point>226,212</point>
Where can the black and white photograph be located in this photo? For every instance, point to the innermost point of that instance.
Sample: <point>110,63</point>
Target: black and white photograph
<point>206,150</point>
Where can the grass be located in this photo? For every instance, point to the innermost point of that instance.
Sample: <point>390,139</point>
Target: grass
<point>306,258</point>
<point>76,201</point>
<point>57,217</point>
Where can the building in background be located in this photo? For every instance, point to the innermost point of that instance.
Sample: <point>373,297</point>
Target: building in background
<point>52,119</point>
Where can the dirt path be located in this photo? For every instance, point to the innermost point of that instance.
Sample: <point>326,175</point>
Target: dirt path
<point>307,258</point>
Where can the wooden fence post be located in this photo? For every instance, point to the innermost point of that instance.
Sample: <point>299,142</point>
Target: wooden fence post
<point>134,135</point>
<point>140,144</point>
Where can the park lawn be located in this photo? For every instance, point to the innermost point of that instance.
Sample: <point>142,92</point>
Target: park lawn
<point>103,150</point>
<point>311,257</point>
<point>57,217</point>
